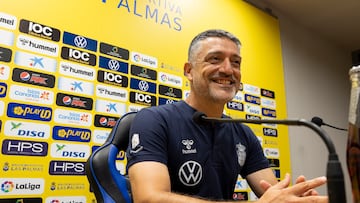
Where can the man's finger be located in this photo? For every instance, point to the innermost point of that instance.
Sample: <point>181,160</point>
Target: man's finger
<point>302,187</point>
<point>300,179</point>
<point>284,183</point>
<point>315,199</point>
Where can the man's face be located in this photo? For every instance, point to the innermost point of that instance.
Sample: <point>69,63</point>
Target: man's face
<point>215,72</point>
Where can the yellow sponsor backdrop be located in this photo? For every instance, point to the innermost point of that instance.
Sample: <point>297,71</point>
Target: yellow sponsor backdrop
<point>157,34</point>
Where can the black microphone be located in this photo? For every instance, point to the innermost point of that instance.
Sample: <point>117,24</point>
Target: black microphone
<point>334,173</point>
<point>319,122</point>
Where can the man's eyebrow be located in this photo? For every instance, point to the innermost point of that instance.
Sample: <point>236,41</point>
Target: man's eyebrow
<point>215,52</point>
<point>221,52</point>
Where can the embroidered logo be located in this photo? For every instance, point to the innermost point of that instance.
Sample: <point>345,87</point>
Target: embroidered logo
<point>135,143</point>
<point>188,147</point>
<point>241,153</point>
<point>190,173</point>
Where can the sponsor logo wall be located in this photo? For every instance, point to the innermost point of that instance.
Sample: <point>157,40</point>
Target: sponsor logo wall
<point>62,90</point>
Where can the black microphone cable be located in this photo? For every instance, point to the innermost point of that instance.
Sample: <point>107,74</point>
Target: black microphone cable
<point>334,173</point>
<point>319,122</point>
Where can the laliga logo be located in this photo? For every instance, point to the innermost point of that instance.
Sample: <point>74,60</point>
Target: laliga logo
<point>137,57</point>
<point>7,186</point>
<point>164,78</point>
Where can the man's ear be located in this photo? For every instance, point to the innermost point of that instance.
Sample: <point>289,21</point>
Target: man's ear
<point>187,69</point>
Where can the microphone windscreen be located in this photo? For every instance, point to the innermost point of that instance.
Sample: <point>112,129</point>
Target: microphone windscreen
<point>198,117</point>
<point>318,121</point>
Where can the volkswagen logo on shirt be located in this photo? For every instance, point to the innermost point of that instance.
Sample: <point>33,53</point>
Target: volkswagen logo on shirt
<point>190,173</point>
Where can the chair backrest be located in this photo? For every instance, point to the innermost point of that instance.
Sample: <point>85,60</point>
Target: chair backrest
<point>108,184</point>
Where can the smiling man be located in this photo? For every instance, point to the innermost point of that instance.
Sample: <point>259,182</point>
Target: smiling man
<point>171,158</point>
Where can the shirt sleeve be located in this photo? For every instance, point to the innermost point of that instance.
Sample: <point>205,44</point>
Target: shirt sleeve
<point>147,140</point>
<point>255,158</point>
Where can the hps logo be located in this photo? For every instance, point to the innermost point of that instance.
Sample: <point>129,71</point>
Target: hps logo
<point>66,168</point>
<point>25,148</point>
<point>235,105</point>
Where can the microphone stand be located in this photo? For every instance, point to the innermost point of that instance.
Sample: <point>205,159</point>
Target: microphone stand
<point>334,173</point>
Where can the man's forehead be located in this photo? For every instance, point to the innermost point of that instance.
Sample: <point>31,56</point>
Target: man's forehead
<point>219,45</point>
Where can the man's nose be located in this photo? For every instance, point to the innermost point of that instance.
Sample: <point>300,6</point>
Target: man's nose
<point>226,67</point>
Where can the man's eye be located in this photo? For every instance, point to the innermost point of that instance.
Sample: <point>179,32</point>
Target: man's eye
<point>236,62</point>
<point>214,60</point>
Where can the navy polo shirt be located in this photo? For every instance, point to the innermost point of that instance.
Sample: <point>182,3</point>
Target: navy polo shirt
<point>203,159</point>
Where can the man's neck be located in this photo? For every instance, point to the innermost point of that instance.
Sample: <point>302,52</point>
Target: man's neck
<point>209,108</point>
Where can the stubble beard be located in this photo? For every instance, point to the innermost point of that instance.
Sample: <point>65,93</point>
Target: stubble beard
<point>214,94</point>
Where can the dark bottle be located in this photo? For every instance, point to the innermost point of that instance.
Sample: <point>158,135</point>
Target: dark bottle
<point>353,144</point>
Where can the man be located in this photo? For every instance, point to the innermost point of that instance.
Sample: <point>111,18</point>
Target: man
<point>171,158</point>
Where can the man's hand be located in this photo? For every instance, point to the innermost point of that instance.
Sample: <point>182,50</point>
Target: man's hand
<point>303,191</point>
<point>310,192</point>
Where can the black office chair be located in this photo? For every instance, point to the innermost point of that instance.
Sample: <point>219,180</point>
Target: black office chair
<point>108,184</point>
